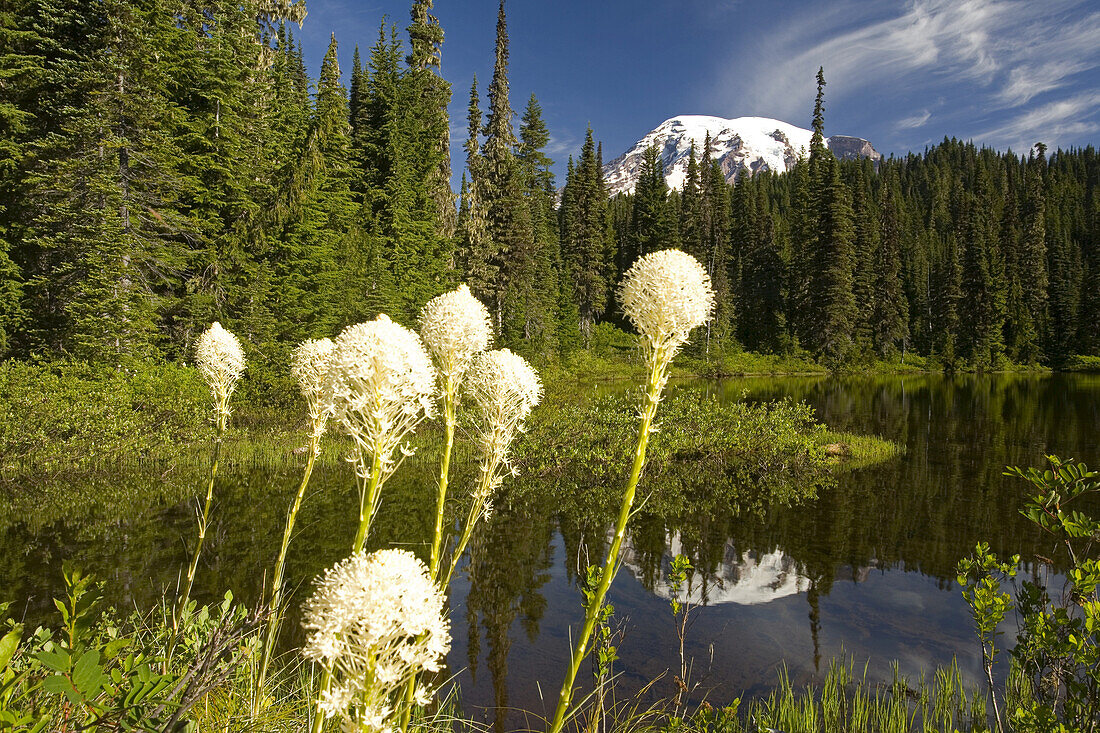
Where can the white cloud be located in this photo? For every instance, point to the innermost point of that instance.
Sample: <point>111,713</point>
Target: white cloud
<point>982,55</point>
<point>561,145</point>
<point>1047,123</point>
<point>917,120</point>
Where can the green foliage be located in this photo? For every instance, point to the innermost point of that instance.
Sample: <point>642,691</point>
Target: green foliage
<point>704,454</point>
<point>73,411</point>
<point>1057,649</point>
<point>844,700</point>
<point>604,650</point>
<point>95,672</point>
<point>1082,363</point>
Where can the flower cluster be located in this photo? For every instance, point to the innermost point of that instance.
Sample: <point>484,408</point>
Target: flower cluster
<point>220,359</point>
<point>310,367</point>
<point>455,326</point>
<point>380,385</point>
<point>665,295</point>
<point>375,620</point>
<point>504,389</point>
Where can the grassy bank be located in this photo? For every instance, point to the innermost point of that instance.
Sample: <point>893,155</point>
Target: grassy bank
<point>59,415</point>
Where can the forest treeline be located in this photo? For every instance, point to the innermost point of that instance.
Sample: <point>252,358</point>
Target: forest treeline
<point>167,163</point>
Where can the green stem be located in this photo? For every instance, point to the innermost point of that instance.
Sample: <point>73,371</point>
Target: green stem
<point>444,471</point>
<point>318,713</point>
<point>367,503</point>
<point>611,565</point>
<point>437,537</point>
<point>203,520</point>
<point>275,618</point>
<point>477,506</point>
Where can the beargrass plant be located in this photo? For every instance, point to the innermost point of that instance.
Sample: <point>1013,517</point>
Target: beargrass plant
<point>220,360</point>
<point>455,327</point>
<point>309,367</point>
<point>379,387</point>
<point>665,295</point>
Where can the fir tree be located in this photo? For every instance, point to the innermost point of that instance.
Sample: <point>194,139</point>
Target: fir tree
<point>1031,329</point>
<point>585,238</point>
<point>475,257</point>
<point>649,221</point>
<point>507,215</point>
<point>889,318</point>
<point>1089,336</point>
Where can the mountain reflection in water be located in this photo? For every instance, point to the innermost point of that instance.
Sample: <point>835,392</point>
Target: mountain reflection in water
<point>747,579</point>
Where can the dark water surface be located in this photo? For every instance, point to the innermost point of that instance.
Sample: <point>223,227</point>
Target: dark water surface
<point>865,570</point>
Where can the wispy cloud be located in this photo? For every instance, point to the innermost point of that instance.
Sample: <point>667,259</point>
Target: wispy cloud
<point>561,145</point>
<point>993,55</point>
<point>917,120</point>
<point>1046,123</point>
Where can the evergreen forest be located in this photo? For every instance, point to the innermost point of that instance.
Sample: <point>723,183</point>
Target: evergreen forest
<point>168,163</point>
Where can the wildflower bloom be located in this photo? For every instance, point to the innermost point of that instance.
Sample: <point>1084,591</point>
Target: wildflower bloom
<point>455,326</point>
<point>310,367</point>
<point>504,389</point>
<point>665,295</point>
<point>220,359</point>
<point>375,621</point>
<point>380,385</point>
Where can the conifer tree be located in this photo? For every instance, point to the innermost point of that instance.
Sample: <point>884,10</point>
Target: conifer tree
<point>1090,278</point>
<point>649,221</point>
<point>532,316</point>
<point>761,318</point>
<point>1064,298</point>
<point>310,231</point>
<point>1031,330</point>
<point>508,218</point>
<point>716,246</point>
<point>832,299</point>
<point>982,306</point>
<point>428,95</point>
<point>889,318</point>
<point>691,209</point>
<point>585,244</point>
<point>475,255</point>
<point>865,256</point>
<point>946,304</point>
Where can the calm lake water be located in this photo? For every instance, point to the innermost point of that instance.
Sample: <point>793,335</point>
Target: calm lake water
<point>865,570</point>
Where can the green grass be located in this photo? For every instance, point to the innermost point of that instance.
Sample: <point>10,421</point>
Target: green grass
<point>844,700</point>
<point>853,451</point>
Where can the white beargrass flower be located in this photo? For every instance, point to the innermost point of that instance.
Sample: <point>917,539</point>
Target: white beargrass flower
<point>375,620</point>
<point>220,359</point>
<point>665,295</point>
<point>380,385</point>
<point>310,367</point>
<point>455,326</point>
<point>504,389</point>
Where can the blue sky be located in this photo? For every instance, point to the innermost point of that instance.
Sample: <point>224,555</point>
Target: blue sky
<point>1004,73</point>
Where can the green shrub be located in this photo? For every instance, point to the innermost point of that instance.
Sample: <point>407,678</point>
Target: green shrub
<point>1081,363</point>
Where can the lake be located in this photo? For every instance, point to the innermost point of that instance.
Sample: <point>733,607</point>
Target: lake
<point>865,570</point>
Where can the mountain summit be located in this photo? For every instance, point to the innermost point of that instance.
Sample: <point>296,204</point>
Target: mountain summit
<point>744,143</point>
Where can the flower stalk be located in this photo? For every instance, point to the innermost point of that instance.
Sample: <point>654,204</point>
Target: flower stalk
<point>455,328</point>
<point>309,367</point>
<point>665,295</point>
<point>220,360</point>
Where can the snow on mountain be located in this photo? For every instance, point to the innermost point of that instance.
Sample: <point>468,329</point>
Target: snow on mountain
<point>744,143</point>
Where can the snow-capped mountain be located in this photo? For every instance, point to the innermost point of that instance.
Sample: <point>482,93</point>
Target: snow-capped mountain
<point>744,143</point>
